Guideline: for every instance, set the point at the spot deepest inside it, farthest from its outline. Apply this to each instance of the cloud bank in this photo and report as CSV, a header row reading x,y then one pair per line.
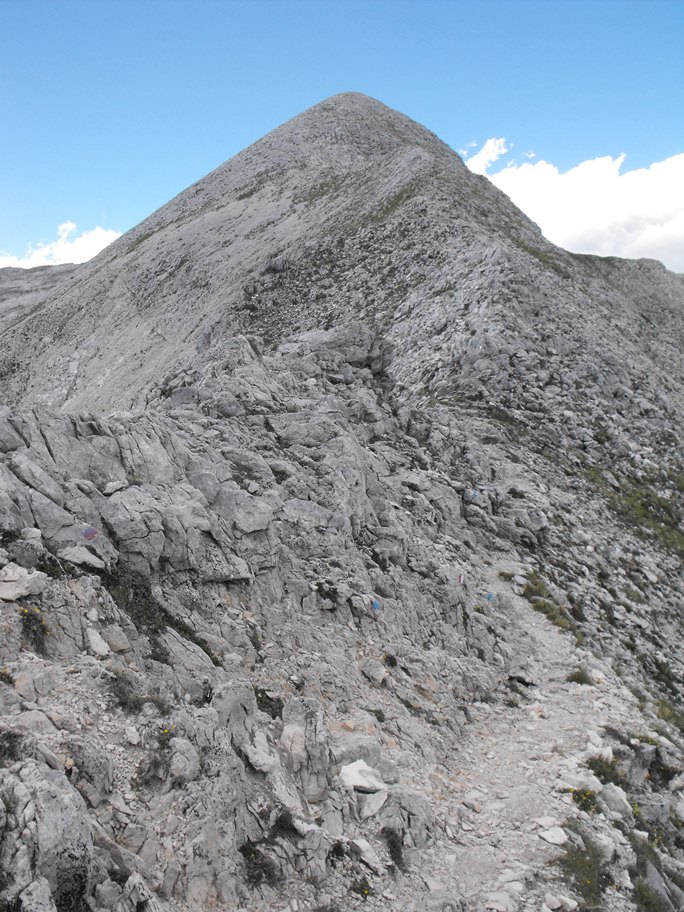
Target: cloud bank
x,y
595,207
69,247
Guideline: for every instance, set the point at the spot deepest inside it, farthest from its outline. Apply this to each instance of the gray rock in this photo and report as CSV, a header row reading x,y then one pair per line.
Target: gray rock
x,y
16,582
281,538
81,556
360,777
46,836
614,798
93,773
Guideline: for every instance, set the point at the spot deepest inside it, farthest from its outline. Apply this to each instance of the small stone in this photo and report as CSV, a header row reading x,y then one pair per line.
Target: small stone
x,y
361,777
17,582
615,799
555,836
570,905
499,902
112,487
367,854
97,645
81,557
546,822
370,804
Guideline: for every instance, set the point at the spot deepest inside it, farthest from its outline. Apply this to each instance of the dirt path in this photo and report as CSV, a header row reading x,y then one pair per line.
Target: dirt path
x,y
514,761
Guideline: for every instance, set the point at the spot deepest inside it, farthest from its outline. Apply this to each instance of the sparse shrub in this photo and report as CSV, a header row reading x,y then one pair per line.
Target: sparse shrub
x,y
11,742
338,852
585,799
6,676
327,590
362,886
125,691
395,846
579,676
538,595
606,771
154,769
259,868
133,595
667,712
647,900
165,734
284,827
535,587
272,706
505,575
583,865
390,660
648,739
554,613
34,629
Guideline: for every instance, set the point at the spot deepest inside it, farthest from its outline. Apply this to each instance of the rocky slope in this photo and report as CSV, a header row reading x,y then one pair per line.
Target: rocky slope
x,y
340,550
21,290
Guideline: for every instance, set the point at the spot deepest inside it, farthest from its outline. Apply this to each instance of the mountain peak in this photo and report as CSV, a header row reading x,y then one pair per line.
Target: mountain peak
x,y
343,130
336,439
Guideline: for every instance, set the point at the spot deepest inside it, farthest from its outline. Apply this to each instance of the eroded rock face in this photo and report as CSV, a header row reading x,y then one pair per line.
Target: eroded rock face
x,y
260,576
46,838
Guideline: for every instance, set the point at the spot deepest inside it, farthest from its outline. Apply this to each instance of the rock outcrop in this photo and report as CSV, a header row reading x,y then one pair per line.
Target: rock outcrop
x,y
324,493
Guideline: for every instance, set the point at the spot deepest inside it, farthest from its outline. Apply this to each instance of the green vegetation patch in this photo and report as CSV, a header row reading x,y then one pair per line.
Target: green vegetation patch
x,y
583,866
585,799
362,887
272,706
258,867
647,900
641,507
133,594
669,713
606,771
539,597
395,202
34,628
321,189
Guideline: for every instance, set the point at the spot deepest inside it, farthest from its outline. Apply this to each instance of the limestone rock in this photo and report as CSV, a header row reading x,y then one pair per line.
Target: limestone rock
x,y
17,582
361,778
371,472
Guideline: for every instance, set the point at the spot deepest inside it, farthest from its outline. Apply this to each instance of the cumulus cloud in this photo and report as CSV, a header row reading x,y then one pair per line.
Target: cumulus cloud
x,y
69,247
491,152
596,207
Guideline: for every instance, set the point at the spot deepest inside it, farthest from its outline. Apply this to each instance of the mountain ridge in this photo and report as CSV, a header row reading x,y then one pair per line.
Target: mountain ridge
x,y
340,551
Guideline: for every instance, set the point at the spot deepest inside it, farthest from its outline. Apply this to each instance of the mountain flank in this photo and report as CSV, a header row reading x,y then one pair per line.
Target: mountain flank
x,y
341,550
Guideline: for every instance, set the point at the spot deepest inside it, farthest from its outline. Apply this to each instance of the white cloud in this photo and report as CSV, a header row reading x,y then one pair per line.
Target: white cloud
x,y
597,208
68,248
492,150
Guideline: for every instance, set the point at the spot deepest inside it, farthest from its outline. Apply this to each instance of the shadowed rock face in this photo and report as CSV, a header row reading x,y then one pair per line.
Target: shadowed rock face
x,y
284,472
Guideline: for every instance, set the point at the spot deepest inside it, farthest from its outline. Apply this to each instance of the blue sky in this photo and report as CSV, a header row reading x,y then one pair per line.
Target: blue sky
x,y
111,107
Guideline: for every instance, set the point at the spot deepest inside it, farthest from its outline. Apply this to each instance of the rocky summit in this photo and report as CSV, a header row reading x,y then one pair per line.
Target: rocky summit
x,y
341,551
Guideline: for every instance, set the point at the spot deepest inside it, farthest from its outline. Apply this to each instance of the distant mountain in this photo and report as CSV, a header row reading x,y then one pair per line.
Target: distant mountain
x,y
341,550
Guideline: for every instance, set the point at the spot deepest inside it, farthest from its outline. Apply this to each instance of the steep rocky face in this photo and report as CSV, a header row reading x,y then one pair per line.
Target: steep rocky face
x,y
337,509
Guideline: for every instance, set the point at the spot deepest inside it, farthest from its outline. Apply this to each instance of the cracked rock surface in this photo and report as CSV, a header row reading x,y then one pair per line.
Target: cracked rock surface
x,y
340,551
